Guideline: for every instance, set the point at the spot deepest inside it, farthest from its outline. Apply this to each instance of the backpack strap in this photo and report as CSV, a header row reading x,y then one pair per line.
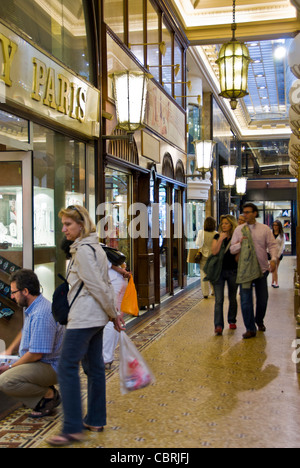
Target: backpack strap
x,y
62,277
94,250
82,283
77,294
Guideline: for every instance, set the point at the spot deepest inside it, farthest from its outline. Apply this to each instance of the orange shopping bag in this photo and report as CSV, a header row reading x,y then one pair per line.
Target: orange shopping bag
x,y
129,303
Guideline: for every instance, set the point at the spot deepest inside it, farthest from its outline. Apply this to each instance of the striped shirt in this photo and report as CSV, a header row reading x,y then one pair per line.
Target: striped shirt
x,y
41,334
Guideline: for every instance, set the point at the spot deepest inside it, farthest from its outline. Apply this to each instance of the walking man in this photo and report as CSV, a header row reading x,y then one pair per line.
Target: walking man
x,y
261,237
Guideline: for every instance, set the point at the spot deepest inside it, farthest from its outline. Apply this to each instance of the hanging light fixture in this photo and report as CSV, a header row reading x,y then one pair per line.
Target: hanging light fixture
x,y
130,93
229,175
204,150
241,185
234,59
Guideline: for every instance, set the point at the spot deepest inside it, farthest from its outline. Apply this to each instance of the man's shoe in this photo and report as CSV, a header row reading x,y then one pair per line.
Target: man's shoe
x,y
261,328
249,334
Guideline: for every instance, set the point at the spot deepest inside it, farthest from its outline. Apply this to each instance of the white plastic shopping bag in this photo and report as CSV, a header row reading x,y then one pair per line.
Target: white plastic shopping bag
x,y
134,372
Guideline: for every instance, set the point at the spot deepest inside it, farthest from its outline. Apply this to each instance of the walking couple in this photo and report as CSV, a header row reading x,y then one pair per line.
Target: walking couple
x,y
244,261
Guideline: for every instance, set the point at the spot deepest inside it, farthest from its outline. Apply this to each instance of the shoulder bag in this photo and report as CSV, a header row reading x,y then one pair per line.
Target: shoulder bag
x,y
214,264
60,304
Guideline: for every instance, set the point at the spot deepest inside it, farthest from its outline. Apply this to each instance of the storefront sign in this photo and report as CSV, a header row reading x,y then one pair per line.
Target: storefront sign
x,y
37,82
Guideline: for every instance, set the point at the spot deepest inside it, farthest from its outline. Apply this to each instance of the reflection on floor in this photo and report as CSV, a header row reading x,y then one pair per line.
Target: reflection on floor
x,y
209,391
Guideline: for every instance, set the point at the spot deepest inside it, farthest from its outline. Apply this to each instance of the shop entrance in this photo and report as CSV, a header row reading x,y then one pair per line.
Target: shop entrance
x,y
15,234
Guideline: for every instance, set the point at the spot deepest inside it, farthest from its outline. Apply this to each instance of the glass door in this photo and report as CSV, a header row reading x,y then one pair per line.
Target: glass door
x,y
15,234
177,238
164,240
15,211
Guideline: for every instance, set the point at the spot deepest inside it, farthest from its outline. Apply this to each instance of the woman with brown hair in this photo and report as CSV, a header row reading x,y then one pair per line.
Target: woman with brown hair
x,y
204,242
227,227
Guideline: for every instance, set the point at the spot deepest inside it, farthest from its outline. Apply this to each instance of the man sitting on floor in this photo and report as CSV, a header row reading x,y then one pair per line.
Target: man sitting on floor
x,y
31,379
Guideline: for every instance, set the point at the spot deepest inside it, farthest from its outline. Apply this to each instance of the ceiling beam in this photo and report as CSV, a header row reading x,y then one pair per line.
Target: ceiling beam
x,y
245,32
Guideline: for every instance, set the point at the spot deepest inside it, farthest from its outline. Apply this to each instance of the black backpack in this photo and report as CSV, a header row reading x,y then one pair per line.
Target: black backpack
x,y
60,305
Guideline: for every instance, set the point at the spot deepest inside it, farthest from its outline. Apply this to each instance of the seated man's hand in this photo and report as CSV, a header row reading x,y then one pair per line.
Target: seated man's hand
x,y
3,368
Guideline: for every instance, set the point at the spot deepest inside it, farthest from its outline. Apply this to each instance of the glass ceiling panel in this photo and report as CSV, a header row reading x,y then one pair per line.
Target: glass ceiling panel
x,y
269,80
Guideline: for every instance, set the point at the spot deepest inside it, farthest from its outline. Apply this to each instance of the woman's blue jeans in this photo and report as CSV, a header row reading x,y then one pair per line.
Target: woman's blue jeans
x,y
85,346
228,276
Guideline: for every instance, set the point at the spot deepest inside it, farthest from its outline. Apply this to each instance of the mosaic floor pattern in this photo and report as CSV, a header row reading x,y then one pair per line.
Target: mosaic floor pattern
x,y
20,431
215,392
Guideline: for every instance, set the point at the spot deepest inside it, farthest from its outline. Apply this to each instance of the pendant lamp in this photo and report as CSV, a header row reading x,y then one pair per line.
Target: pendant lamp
x,y
234,59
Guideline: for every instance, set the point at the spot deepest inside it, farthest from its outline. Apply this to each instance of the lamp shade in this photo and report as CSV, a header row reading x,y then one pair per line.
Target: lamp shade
x,y
233,61
204,153
130,92
229,174
241,185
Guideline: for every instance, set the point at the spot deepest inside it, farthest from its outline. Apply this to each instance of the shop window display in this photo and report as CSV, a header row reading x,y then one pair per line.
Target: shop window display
x,y
11,231
11,210
60,171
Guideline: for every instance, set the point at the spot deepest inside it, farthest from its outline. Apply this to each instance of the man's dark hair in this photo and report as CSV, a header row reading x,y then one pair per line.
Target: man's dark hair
x,y
26,279
253,208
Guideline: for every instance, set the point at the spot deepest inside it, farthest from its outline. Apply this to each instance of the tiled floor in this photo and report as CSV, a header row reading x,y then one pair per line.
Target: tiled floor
x,y
209,391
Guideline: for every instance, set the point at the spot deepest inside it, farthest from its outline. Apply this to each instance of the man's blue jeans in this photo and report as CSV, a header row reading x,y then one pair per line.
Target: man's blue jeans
x,y
85,346
229,277
262,296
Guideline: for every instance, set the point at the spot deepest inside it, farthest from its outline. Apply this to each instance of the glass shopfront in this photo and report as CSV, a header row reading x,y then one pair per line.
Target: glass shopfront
x,y
34,186
285,212
195,222
58,169
164,240
170,238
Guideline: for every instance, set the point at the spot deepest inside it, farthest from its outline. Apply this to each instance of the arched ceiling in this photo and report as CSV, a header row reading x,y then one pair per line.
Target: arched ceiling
x,y
267,27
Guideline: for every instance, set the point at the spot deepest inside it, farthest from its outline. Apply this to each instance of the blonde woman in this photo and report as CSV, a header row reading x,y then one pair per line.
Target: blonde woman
x,y
83,340
227,227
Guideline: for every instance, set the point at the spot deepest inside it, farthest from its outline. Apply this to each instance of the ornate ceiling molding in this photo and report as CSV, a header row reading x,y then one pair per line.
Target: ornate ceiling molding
x,y
208,21
201,13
